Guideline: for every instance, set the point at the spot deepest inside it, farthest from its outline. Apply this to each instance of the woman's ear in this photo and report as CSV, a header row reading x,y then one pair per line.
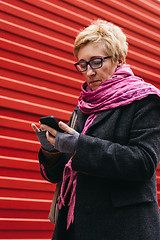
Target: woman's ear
x,y
120,62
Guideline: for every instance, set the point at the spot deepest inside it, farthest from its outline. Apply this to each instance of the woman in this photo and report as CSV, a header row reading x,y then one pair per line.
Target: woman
x,y
108,161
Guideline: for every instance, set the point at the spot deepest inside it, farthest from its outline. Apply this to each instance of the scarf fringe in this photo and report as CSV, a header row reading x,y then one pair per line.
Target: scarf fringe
x,y
72,175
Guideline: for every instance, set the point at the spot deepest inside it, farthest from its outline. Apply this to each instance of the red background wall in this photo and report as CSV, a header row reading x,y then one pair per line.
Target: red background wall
x,y
38,78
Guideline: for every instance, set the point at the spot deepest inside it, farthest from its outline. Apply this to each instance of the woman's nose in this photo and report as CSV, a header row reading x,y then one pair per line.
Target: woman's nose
x,y
90,71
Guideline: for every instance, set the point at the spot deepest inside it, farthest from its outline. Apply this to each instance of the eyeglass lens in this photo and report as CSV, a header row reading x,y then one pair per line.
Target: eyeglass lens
x,y
95,63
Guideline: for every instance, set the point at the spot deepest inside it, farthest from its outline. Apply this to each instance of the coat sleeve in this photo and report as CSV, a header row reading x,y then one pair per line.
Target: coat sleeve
x,y
136,161
51,166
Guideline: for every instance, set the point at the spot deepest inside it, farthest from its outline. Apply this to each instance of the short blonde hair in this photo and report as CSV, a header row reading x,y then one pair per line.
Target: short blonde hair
x,y
110,35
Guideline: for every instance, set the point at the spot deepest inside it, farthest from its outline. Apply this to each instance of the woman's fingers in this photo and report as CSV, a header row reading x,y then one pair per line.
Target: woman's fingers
x,y
35,128
52,131
66,128
50,138
41,126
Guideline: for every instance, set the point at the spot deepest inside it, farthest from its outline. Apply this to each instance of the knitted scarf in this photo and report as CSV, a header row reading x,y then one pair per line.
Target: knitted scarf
x,y
121,89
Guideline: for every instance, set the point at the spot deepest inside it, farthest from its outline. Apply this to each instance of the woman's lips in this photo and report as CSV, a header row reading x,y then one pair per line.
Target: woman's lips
x,y
95,81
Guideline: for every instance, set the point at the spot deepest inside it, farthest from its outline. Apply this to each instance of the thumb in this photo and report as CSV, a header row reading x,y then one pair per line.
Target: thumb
x,y
66,128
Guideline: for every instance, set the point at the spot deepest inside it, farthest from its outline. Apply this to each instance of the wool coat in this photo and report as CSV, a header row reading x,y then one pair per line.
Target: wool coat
x,y
116,161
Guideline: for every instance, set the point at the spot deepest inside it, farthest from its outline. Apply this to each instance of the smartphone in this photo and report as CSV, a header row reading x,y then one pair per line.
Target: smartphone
x,y
52,122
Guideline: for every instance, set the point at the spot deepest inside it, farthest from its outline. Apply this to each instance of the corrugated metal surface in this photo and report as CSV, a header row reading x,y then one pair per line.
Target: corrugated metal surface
x,y
38,78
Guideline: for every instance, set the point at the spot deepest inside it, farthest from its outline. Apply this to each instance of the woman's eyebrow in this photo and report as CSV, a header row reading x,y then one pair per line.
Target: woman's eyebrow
x,y
95,57
90,58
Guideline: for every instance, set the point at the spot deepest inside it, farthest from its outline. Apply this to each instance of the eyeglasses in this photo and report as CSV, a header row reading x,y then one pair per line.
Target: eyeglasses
x,y
94,63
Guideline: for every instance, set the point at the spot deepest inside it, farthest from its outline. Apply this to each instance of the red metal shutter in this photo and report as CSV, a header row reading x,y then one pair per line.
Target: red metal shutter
x,y
38,78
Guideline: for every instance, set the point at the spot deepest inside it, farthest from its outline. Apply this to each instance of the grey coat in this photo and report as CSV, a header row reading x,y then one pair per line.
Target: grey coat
x,y
116,196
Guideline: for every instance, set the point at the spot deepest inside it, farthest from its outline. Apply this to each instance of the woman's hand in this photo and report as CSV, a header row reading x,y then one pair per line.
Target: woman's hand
x,y
41,134
63,142
66,141
51,133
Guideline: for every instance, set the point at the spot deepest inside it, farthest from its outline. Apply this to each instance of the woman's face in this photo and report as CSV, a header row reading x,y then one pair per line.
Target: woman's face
x,y
95,77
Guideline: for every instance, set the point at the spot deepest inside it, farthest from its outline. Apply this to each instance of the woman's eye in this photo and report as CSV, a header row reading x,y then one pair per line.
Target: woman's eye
x,y
96,62
83,65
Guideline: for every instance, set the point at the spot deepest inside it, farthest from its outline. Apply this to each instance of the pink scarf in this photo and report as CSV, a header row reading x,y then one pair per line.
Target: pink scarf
x,y
122,89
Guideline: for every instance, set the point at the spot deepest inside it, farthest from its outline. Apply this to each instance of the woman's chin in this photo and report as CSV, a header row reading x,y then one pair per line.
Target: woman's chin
x,y
94,85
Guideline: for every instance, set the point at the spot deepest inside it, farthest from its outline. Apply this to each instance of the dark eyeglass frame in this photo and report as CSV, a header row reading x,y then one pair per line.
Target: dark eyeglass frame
x,y
88,63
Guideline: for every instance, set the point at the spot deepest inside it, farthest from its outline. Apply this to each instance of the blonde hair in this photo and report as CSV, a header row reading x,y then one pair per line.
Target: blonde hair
x,y
110,35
